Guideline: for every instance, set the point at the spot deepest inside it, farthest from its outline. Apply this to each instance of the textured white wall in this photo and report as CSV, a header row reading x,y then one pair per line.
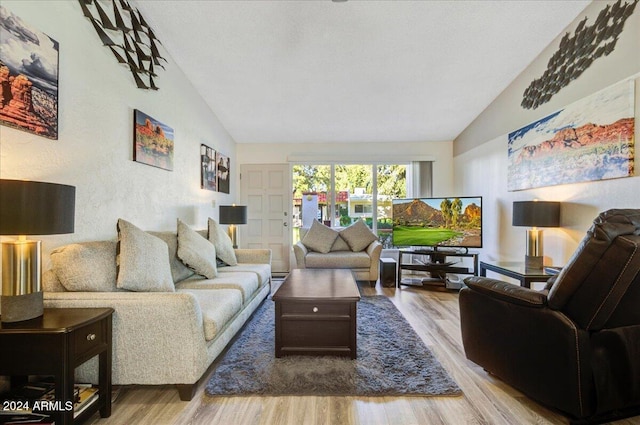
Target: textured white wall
x,y
480,153
97,97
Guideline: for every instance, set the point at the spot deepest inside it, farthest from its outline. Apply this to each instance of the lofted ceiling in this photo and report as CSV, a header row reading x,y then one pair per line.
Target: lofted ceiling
x,y
316,71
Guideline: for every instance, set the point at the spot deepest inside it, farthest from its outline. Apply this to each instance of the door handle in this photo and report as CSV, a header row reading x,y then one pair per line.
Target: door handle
x,y
285,224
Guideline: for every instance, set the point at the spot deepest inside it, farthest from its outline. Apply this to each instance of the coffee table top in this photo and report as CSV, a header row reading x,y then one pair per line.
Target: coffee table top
x,y
315,284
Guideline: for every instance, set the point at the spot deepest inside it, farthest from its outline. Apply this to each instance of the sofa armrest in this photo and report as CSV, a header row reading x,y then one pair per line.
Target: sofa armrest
x,y
253,256
507,292
151,332
300,251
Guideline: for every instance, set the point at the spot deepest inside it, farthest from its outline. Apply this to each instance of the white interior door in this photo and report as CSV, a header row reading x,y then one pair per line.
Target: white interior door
x,y
266,191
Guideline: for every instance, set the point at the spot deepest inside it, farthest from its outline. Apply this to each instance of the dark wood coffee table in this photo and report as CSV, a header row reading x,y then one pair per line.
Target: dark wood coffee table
x,y
316,313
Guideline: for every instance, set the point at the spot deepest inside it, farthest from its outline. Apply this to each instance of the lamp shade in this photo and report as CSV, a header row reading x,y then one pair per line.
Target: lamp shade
x,y
36,208
536,214
233,214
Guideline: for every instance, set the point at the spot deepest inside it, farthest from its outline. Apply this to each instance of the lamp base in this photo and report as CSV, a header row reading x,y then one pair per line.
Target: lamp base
x,y
533,262
16,308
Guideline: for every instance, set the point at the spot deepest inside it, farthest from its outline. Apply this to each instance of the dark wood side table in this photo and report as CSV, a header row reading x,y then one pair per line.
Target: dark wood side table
x,y
515,270
55,344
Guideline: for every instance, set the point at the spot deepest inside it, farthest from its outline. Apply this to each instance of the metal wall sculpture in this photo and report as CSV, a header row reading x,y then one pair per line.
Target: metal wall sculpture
x,y
131,40
578,51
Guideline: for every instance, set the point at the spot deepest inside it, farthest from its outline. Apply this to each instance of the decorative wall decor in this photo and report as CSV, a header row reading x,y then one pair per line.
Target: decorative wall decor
x,y
578,51
591,139
131,40
28,77
224,172
152,142
208,175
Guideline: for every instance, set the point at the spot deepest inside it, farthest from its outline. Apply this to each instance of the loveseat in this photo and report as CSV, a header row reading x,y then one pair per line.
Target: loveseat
x,y
355,247
166,329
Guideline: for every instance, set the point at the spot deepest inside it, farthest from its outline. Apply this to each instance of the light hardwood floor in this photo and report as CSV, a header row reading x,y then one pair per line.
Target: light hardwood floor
x,y
434,315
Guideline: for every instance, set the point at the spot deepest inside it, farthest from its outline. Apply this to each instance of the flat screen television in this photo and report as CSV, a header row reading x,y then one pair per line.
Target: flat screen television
x,y
451,222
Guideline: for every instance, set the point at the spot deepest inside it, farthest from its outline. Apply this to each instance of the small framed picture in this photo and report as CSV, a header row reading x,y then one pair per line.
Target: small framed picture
x,y
152,142
224,172
208,173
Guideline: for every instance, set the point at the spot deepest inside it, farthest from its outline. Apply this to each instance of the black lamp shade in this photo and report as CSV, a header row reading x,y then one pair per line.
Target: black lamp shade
x,y
233,214
536,214
36,208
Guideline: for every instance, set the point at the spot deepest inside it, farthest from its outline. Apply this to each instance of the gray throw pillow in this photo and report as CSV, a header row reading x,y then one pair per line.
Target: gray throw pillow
x,y
358,236
222,242
196,252
86,266
319,238
142,261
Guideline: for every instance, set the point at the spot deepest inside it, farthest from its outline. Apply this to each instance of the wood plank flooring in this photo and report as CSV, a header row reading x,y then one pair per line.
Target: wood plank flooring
x,y
434,315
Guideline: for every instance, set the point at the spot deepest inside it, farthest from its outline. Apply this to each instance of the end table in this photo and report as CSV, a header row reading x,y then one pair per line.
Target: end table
x,y
55,344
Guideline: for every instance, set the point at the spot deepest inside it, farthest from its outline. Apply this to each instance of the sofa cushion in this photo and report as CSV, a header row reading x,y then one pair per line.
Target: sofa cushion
x,y
263,271
338,260
178,270
247,283
218,307
86,266
222,242
319,238
358,236
196,252
142,260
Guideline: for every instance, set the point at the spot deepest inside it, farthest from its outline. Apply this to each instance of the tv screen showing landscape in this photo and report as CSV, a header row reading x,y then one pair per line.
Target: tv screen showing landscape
x,y
438,222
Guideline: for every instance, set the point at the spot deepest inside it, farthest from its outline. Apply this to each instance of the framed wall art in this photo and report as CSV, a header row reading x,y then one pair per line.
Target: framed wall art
x,y
591,139
208,174
152,142
224,172
28,77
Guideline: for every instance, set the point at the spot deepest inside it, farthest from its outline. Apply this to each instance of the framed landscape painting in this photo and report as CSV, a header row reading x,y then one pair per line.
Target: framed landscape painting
x,y
208,173
152,142
28,77
224,172
591,139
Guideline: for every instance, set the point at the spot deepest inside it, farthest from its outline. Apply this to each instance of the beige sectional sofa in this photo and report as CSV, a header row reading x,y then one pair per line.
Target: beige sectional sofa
x,y
160,335
354,247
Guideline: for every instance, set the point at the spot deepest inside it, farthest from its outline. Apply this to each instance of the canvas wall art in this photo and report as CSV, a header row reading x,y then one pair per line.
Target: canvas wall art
x,y
152,142
591,139
28,77
224,172
208,174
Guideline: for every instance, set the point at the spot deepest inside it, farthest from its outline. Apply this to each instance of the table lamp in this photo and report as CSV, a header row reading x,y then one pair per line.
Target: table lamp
x,y
29,208
232,215
535,214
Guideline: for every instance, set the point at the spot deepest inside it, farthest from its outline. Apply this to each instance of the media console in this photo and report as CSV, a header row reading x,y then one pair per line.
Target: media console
x,y
438,263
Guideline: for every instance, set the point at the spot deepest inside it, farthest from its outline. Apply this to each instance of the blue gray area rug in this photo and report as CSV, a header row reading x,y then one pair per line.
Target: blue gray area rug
x,y
392,361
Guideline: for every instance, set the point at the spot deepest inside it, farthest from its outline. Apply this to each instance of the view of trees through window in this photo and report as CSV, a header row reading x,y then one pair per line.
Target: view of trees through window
x,y
362,191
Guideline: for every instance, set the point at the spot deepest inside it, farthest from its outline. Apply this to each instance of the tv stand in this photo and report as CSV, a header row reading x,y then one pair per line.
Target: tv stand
x,y
438,265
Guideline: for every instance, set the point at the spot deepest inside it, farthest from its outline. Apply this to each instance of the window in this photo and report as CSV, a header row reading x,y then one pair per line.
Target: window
x,y
340,194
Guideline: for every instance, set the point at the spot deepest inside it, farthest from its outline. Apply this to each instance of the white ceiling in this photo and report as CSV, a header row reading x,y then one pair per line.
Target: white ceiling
x,y
362,71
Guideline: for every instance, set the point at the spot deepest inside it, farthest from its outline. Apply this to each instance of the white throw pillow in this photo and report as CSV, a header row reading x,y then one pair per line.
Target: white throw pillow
x,y
196,252
319,238
142,261
222,243
358,236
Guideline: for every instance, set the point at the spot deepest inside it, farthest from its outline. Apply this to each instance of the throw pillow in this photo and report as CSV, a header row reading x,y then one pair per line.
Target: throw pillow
x,y
196,252
358,236
222,242
86,266
142,261
319,238
179,271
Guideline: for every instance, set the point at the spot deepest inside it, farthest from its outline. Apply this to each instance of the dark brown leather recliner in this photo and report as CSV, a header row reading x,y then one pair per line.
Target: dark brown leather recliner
x,y
574,346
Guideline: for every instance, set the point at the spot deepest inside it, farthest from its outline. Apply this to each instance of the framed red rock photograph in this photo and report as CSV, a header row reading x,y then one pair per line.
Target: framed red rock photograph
x,y
28,77
152,142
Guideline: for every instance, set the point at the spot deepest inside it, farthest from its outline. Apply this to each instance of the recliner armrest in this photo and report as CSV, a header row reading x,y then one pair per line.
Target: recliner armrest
x,y
507,292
